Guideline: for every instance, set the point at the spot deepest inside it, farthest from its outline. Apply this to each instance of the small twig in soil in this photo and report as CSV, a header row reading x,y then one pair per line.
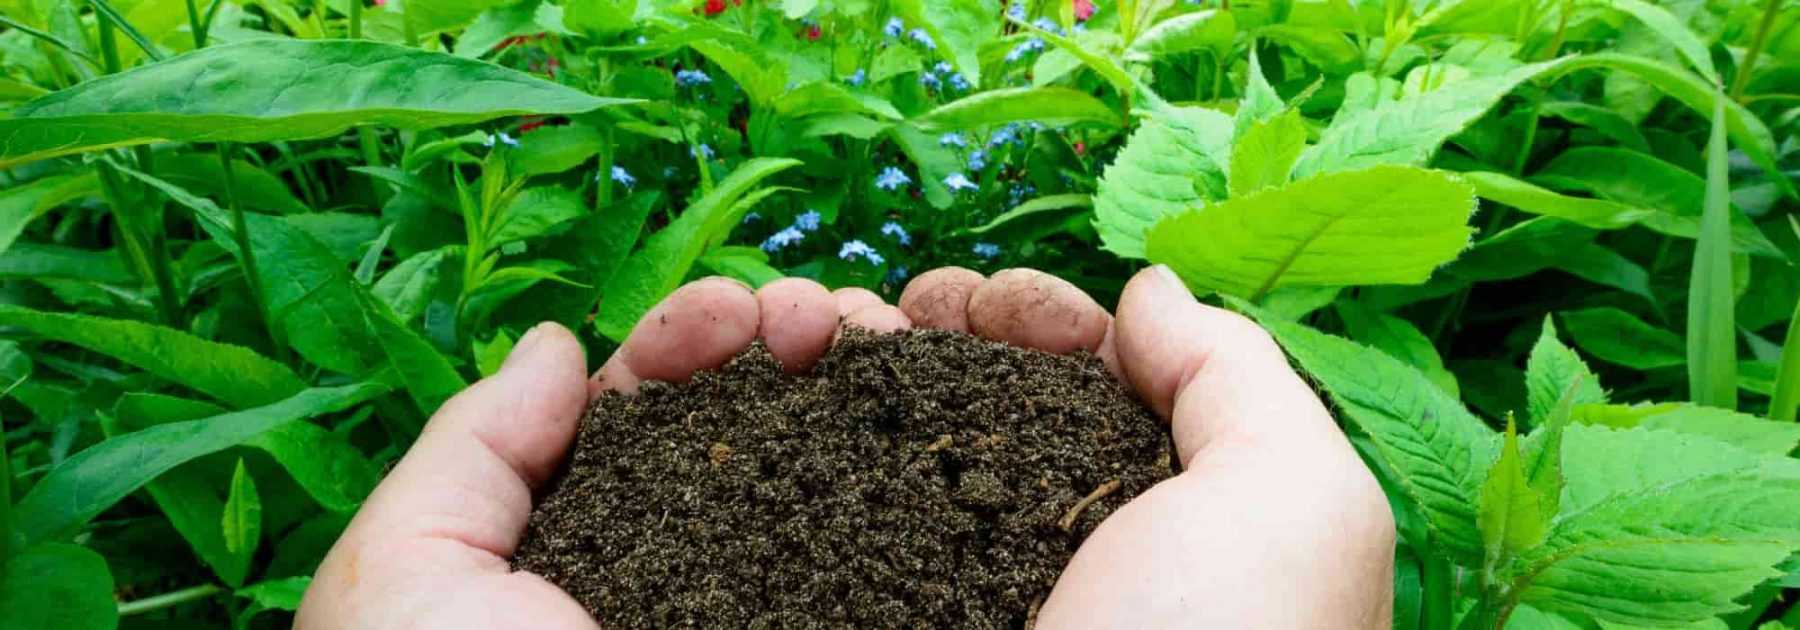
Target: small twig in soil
x,y
1068,520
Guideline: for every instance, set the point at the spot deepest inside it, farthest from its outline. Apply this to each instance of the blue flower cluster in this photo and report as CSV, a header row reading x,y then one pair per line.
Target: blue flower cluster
x,y
1016,10
894,27
923,38
807,222
977,160
953,139
622,177
891,179
958,182
1025,48
691,78
858,77
701,151
856,248
942,72
893,229
988,251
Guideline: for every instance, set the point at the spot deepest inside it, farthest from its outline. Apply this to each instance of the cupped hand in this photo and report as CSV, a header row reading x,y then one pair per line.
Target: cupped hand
x,y
1274,521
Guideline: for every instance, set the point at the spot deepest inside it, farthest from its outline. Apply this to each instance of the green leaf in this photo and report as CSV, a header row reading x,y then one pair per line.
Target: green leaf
x,y
1437,450
1595,213
233,374
1608,122
309,289
551,150
1033,214
1398,338
1711,325
425,372
1671,29
1209,30
508,282
746,264
54,262
282,594
1642,181
92,480
958,27
186,494
821,97
1055,106
667,256
600,19
1512,514
612,233
1615,336
1259,103
1409,130
1173,163
491,354
278,89
1737,429
57,585
535,212
20,204
1660,528
935,161
1264,154
762,77
1786,399
1382,225
256,189
242,520
1549,372
496,24
408,287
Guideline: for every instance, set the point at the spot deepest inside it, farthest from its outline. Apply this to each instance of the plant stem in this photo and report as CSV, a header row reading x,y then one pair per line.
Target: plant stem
x,y
1437,610
240,233
1742,79
194,25
356,11
109,46
1786,402
169,599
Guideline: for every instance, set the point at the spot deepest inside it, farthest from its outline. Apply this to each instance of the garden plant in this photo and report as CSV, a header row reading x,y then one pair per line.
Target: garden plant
x,y
1538,256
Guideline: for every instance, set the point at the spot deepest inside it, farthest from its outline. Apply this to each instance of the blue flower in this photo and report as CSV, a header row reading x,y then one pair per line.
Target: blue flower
x,y
943,67
986,250
958,83
952,139
500,137
808,221
858,77
894,27
1024,48
787,236
893,229
977,160
1047,24
701,151
623,178
892,178
897,274
641,40
1016,10
853,249
1004,135
958,182
929,80
691,78
751,216
924,39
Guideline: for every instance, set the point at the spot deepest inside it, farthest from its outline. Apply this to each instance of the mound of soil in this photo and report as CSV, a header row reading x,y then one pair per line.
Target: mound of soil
x,y
921,479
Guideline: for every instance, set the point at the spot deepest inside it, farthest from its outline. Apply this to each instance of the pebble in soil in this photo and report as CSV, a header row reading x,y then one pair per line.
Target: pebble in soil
x,y
919,479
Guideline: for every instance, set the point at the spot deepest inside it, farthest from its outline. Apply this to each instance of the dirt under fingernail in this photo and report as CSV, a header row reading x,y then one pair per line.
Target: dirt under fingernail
x,y
910,480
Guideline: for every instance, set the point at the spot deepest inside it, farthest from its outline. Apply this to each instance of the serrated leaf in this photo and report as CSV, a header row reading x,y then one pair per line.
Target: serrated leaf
x,y
1210,30
1174,162
1264,153
1047,105
667,256
92,480
1398,338
1549,371
1437,450
57,585
241,522
278,89
1615,336
1382,225
233,374
1512,515
1259,103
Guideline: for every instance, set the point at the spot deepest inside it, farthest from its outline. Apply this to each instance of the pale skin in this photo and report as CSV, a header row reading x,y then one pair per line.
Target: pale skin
x,y
1274,522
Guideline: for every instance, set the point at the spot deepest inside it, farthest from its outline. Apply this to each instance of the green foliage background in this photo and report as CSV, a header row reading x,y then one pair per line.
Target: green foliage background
x,y
1539,254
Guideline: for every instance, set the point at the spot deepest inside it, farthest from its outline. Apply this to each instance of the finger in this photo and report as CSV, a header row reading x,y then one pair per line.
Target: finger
x,y
940,298
1033,309
459,499
798,319
1214,373
880,318
850,299
699,326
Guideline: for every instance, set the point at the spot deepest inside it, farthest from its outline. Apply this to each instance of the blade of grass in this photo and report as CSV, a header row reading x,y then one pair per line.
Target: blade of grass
x,y
1711,326
51,39
112,16
1786,402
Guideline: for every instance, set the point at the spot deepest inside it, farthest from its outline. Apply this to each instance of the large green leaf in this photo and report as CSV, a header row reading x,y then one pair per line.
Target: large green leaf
x,y
667,256
233,374
1550,370
92,480
1382,225
1742,430
1676,196
958,27
58,585
1595,213
1615,336
54,262
1174,162
1397,337
278,89
1437,450
1711,322
186,494
1660,528
1264,153
1669,27
1047,105
426,373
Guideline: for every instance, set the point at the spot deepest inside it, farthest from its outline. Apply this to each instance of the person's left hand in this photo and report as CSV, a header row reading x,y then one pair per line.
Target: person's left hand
x,y
430,547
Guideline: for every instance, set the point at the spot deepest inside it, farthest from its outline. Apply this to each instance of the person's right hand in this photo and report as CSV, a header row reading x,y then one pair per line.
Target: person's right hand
x,y
1274,522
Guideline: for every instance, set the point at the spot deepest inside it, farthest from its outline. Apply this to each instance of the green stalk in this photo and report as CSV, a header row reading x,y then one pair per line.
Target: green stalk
x,y
151,265
1711,325
240,233
1761,39
1786,403
356,11
108,14
6,530
109,46
604,195
1437,610
194,24
168,600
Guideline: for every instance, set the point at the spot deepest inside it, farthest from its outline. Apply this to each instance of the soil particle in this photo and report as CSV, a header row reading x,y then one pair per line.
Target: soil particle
x,y
913,480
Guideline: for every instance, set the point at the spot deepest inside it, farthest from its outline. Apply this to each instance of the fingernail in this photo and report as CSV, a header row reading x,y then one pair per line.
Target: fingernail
x,y
525,346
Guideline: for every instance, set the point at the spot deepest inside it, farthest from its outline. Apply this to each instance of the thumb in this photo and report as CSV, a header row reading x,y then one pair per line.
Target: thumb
x,y
1214,374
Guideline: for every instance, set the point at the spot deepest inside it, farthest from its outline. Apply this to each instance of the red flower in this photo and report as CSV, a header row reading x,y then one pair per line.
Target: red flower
x,y
531,125
812,34
1080,148
1084,9
714,7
